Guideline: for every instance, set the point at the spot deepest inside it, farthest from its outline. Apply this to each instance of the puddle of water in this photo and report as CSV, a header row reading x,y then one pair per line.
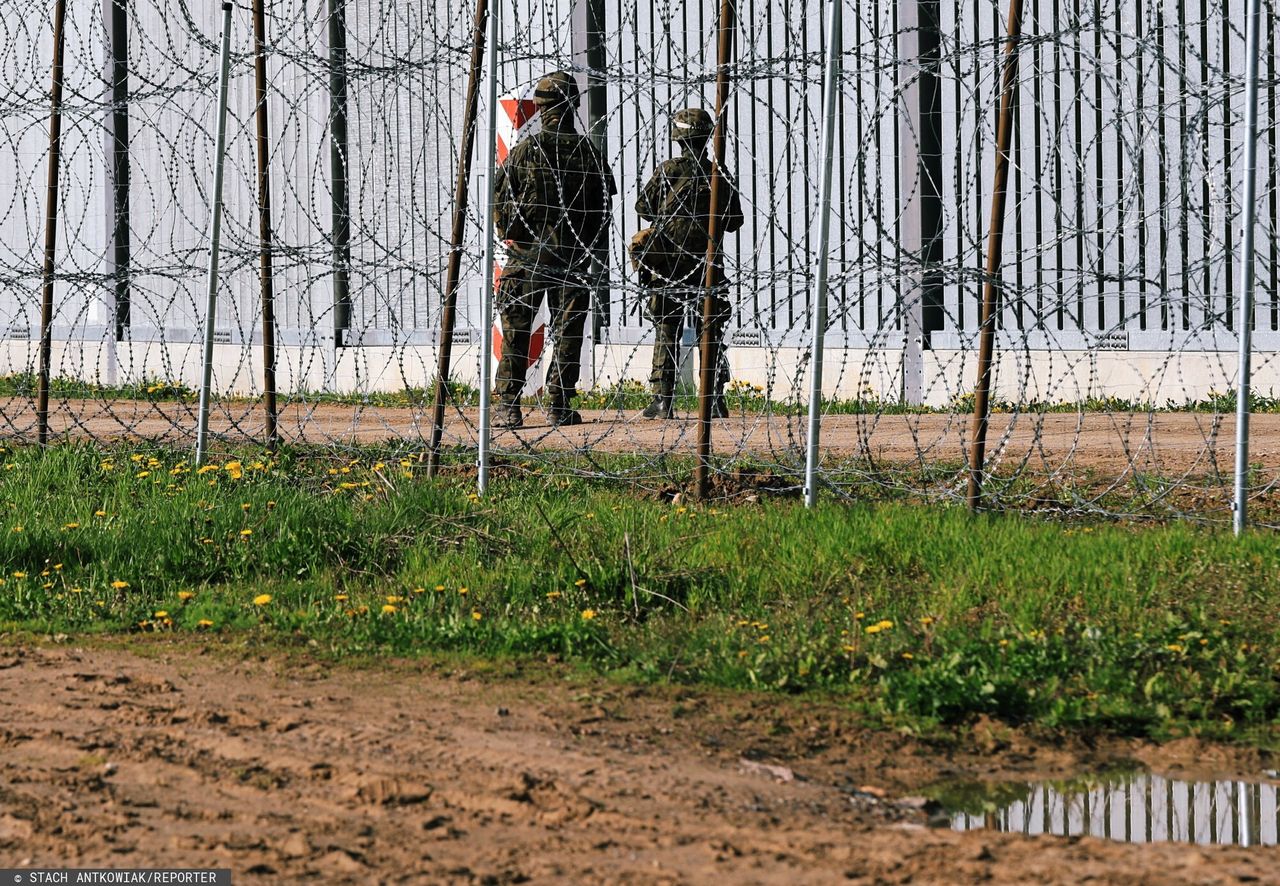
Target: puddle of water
x,y
1129,807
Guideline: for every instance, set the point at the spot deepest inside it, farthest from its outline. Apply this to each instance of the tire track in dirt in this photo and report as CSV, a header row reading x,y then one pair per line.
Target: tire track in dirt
x,y
289,770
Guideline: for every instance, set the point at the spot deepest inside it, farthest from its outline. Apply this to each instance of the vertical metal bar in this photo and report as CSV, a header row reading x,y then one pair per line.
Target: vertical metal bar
x,y
116,15
709,364
215,234
51,224
830,106
448,311
266,277
339,164
1247,261
597,123
986,337
486,312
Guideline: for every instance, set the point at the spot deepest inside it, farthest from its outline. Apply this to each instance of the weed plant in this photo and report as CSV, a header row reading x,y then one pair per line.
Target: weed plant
x,y
922,616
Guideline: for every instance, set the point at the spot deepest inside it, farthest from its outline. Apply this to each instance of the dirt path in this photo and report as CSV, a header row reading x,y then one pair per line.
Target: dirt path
x,y
294,771
1197,443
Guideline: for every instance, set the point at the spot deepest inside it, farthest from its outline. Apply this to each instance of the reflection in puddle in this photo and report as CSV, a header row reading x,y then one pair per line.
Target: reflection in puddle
x,y
1138,808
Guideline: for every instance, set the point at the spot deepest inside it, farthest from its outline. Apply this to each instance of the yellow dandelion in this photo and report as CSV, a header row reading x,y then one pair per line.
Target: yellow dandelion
x,y
341,598
553,595
439,587
17,529
19,575
462,591
388,609
580,583
475,615
245,533
204,623
394,599
70,525
588,614
185,595
262,600
927,620
99,513
57,566
1174,647
142,475
246,506
908,656
119,585
160,613
419,590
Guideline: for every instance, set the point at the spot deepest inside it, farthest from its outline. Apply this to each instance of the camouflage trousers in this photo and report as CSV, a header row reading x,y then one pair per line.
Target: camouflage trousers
x,y
520,293
667,310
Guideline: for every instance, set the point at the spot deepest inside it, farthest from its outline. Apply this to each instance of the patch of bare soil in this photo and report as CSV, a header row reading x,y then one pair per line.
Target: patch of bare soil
x,y
1197,444
299,771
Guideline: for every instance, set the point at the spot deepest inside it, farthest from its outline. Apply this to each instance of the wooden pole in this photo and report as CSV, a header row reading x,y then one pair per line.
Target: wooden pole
x,y
51,225
709,365
448,311
266,277
987,332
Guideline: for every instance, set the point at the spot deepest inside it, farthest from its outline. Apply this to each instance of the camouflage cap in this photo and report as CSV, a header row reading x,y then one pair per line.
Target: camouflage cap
x,y
691,124
556,88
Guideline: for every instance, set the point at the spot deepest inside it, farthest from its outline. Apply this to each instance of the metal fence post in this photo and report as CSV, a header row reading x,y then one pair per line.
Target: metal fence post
x,y
116,15
1247,250
215,234
266,278
339,164
830,110
51,224
920,175
486,311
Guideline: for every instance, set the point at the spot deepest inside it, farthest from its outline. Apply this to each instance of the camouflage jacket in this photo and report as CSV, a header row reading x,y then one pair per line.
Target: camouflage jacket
x,y
553,198
677,200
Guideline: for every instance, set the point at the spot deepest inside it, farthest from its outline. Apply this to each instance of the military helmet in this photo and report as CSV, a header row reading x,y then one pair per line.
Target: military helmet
x,y
691,124
556,88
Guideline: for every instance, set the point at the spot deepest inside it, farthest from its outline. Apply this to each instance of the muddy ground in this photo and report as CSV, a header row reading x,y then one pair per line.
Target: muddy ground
x,y
294,770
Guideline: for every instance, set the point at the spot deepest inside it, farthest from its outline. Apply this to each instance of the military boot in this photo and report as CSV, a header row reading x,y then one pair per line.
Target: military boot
x,y
563,415
719,407
508,415
661,407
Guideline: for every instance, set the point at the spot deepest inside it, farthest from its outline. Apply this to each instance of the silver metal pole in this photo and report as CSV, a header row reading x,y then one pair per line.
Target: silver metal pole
x,y
1245,321
830,105
215,235
486,310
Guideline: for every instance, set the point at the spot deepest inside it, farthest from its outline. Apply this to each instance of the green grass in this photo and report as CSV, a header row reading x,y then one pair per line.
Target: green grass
x,y
633,395
919,616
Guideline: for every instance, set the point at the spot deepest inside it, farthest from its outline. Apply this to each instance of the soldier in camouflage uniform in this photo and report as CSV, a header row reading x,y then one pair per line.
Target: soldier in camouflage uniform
x,y
552,204
671,255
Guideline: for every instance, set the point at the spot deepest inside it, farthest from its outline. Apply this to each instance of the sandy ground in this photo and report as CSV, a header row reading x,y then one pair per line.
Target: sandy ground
x,y
1195,443
290,770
